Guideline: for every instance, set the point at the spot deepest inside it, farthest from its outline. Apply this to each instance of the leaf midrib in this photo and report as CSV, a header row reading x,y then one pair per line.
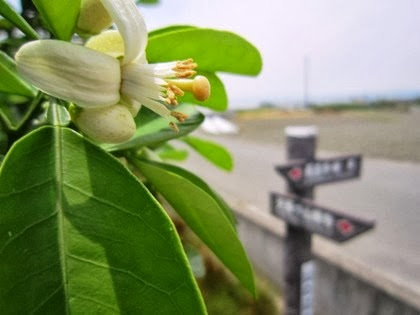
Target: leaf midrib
x,y
58,154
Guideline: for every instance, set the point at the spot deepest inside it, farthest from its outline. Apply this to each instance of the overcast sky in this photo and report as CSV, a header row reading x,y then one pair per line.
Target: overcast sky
x,y
355,48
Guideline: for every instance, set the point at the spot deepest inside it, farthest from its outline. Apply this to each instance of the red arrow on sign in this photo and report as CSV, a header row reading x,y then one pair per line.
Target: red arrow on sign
x,y
344,226
295,174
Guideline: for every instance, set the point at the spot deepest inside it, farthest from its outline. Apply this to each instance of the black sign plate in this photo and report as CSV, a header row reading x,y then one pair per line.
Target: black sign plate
x,y
316,219
305,174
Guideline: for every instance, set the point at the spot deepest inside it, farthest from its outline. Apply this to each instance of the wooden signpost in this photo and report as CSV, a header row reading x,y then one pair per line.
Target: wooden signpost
x,y
313,218
305,174
303,217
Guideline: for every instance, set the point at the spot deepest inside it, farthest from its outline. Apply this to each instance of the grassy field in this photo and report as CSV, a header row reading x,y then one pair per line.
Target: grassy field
x,y
389,134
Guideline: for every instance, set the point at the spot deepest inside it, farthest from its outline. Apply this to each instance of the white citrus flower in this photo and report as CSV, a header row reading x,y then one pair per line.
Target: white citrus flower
x,y
110,70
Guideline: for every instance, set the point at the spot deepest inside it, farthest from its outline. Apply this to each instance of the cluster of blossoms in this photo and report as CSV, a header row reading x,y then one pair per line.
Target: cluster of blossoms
x,y
108,79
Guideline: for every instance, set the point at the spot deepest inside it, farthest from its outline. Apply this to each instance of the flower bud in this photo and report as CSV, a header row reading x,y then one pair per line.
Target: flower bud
x,y
93,18
112,124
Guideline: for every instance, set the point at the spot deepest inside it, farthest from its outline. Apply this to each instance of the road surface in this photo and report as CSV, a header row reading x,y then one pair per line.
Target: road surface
x,y
388,192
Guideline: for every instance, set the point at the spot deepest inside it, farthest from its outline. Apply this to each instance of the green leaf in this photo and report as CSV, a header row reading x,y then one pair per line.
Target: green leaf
x,y
218,99
14,118
168,29
168,152
153,129
203,214
10,80
57,114
4,142
80,235
212,50
213,152
60,16
17,20
197,181
148,1
6,25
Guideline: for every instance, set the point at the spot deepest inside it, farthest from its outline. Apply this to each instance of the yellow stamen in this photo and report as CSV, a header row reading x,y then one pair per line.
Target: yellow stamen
x,y
176,90
185,65
185,74
181,117
171,101
185,68
173,126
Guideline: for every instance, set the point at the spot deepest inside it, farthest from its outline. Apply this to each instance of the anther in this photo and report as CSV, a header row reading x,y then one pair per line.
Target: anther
x,y
181,117
185,74
173,126
175,89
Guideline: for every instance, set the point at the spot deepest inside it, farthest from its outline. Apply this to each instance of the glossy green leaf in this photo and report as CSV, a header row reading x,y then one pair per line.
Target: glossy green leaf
x,y
57,114
153,129
213,152
80,235
17,20
10,80
15,115
4,142
218,99
60,16
212,50
168,152
197,181
148,1
6,25
203,214
168,29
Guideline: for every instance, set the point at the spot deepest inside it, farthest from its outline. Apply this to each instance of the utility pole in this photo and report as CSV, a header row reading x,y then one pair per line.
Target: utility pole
x,y
305,81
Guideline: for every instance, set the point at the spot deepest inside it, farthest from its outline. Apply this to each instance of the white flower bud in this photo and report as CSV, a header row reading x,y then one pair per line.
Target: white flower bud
x,y
113,124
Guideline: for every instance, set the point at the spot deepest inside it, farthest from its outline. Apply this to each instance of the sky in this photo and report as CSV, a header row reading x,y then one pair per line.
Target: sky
x,y
354,49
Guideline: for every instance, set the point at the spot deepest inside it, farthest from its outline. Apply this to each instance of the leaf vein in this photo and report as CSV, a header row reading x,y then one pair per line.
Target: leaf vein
x,y
119,270
24,230
23,280
25,189
113,205
58,150
108,306
49,297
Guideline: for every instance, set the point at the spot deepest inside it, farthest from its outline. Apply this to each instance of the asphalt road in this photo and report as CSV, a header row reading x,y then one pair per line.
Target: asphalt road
x,y
387,191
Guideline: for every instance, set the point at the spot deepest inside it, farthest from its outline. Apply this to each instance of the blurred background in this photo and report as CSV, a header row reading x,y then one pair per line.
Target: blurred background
x,y
352,69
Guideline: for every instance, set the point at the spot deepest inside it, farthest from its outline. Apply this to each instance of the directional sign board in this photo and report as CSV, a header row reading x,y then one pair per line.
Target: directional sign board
x,y
316,219
304,174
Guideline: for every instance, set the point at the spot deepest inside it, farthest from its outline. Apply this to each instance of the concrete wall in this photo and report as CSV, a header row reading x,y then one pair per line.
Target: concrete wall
x,y
342,286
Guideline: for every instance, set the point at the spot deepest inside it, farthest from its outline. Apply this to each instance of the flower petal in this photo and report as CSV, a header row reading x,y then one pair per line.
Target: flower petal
x,y
130,24
109,42
71,72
